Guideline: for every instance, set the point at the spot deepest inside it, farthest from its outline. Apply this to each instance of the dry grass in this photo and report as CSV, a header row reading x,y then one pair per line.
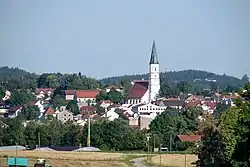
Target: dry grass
x,y
69,159
174,160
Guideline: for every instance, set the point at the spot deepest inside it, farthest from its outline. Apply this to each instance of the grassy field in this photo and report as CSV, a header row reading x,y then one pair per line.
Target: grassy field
x,y
174,160
70,159
100,159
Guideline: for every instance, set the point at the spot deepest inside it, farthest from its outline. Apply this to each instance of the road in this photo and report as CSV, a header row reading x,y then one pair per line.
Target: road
x,y
138,162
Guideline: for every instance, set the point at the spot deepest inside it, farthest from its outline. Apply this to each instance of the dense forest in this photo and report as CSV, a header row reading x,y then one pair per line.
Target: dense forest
x,y
197,78
15,78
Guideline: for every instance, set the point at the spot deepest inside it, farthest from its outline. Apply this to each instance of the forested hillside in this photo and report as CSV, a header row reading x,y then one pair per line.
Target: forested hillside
x,y
197,78
16,78
13,78
7,73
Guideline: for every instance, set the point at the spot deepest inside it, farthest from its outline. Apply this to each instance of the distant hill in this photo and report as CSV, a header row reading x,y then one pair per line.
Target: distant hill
x,y
197,78
15,78
7,73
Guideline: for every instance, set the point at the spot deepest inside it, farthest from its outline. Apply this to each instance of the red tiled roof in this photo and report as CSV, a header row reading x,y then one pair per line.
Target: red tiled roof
x,y
49,111
193,103
139,89
87,93
211,105
194,98
189,138
87,108
45,90
69,92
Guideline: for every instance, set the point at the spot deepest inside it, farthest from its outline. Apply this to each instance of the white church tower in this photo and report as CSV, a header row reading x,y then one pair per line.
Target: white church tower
x,y
154,74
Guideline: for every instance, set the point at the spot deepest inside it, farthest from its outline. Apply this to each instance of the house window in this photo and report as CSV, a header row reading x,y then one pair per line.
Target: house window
x,y
155,68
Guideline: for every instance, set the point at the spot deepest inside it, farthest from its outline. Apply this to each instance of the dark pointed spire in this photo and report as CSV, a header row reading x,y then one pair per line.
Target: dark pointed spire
x,y
153,58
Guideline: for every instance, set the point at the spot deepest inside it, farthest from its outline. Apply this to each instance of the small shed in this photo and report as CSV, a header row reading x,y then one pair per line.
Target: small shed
x,y
189,138
183,142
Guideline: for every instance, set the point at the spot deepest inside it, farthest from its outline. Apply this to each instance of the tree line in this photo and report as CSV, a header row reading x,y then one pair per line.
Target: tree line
x,y
194,80
226,138
115,135
108,135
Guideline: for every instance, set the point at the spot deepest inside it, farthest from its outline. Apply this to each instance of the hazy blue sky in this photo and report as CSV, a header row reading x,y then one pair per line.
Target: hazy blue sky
x,y
114,37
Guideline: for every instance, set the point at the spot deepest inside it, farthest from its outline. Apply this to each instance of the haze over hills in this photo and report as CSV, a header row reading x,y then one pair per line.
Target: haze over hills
x,y
197,78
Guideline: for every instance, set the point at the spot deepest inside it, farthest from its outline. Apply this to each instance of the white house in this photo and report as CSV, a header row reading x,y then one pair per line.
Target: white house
x,y
7,95
43,92
105,103
87,96
148,109
69,95
118,89
65,116
111,114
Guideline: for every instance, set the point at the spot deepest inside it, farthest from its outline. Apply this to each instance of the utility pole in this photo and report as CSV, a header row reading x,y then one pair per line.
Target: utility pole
x,y
160,154
185,159
148,149
170,142
154,143
88,140
39,142
16,155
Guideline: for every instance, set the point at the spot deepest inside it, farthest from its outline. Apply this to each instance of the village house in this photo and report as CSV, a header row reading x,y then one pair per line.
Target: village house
x,y
49,112
87,110
44,93
188,138
176,104
111,115
194,98
148,109
7,95
105,103
88,96
183,140
13,112
229,99
65,116
209,106
113,87
81,104
69,95
4,106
